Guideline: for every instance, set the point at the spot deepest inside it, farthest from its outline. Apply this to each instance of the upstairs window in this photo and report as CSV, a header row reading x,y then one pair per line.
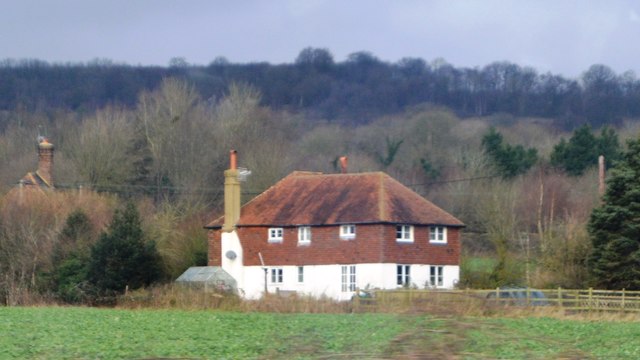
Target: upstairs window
x,y
347,232
438,234
275,234
304,235
404,233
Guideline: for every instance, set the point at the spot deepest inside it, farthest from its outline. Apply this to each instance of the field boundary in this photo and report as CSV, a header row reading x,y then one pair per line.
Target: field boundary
x,y
578,300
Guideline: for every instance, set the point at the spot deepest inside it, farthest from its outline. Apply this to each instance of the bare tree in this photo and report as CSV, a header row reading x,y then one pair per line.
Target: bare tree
x,y
100,148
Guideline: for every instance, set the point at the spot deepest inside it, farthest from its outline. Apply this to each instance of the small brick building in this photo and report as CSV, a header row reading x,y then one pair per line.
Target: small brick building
x,y
326,234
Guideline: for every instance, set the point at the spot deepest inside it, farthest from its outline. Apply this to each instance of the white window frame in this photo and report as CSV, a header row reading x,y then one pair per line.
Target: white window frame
x,y
436,276
438,234
276,275
404,233
348,278
304,235
403,275
300,274
275,234
347,231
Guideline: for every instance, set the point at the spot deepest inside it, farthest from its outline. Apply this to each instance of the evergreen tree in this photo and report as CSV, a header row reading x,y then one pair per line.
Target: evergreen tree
x,y
122,257
614,227
582,150
609,145
71,258
509,160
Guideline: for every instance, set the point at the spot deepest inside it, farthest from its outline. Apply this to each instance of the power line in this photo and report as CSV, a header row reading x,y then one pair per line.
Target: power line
x,y
132,189
455,180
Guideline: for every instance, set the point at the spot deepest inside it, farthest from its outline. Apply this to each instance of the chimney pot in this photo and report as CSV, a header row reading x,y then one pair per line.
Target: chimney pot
x,y
343,164
233,160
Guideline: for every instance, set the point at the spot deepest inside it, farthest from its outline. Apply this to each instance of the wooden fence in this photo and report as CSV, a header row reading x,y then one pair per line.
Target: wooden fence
x,y
567,299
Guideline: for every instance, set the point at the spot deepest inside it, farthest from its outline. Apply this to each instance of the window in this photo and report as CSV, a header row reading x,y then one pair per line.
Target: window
x,y
404,275
435,276
304,234
438,234
404,233
275,234
348,278
300,274
276,275
347,232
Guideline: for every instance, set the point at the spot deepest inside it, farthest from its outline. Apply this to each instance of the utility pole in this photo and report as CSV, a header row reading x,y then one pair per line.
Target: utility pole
x,y
601,174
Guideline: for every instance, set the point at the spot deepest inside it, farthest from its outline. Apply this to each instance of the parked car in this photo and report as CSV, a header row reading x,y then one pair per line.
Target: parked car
x,y
518,296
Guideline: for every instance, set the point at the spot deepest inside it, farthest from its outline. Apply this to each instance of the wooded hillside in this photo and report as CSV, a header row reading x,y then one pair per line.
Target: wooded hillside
x,y
488,145
355,91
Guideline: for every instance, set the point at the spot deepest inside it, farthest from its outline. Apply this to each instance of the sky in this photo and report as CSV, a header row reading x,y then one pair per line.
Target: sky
x,y
559,36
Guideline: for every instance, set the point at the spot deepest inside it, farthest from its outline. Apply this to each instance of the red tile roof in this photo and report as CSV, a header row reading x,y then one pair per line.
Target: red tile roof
x,y
307,198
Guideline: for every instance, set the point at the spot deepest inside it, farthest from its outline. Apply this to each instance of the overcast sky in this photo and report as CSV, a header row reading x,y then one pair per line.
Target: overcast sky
x,y
564,37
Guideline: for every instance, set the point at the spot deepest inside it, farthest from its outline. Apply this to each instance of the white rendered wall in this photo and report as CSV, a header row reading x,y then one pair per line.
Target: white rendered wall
x,y
231,242
321,280
326,280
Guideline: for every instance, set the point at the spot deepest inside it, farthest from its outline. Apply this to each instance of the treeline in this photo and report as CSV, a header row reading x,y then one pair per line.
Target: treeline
x,y
354,91
524,189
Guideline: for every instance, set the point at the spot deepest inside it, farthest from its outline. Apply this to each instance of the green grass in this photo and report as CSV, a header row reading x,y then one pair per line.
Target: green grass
x,y
480,264
71,333
89,333
547,338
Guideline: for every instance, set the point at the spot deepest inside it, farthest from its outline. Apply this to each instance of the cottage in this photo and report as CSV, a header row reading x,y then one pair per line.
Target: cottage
x,y
328,234
35,184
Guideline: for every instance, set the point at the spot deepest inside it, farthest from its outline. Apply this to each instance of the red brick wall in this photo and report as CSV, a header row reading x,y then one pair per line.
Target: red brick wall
x,y
373,244
215,247
421,251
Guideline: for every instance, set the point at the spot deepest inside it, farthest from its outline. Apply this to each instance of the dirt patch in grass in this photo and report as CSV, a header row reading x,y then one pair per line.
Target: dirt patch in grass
x,y
441,338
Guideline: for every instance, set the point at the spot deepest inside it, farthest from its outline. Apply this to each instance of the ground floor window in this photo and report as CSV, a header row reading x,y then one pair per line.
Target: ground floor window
x,y
300,274
403,275
276,275
348,278
435,276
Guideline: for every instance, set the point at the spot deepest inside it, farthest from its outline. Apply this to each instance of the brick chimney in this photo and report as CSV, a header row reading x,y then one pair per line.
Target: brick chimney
x,y
231,194
45,161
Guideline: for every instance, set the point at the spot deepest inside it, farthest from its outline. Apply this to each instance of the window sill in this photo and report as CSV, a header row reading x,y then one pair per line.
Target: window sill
x,y
274,241
304,243
438,242
401,241
347,237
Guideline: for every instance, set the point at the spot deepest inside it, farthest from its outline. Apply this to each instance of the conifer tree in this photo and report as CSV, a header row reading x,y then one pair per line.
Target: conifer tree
x,y
582,150
122,257
614,227
509,160
71,258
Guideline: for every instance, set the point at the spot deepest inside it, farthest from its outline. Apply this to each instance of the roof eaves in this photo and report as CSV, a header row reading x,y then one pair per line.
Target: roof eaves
x,y
373,222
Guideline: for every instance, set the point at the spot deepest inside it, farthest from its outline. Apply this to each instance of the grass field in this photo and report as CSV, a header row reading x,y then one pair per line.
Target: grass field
x,y
89,333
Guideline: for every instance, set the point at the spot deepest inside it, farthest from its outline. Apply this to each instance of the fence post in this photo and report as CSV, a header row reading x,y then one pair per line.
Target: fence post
x,y
590,298
622,299
528,292
356,300
559,299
